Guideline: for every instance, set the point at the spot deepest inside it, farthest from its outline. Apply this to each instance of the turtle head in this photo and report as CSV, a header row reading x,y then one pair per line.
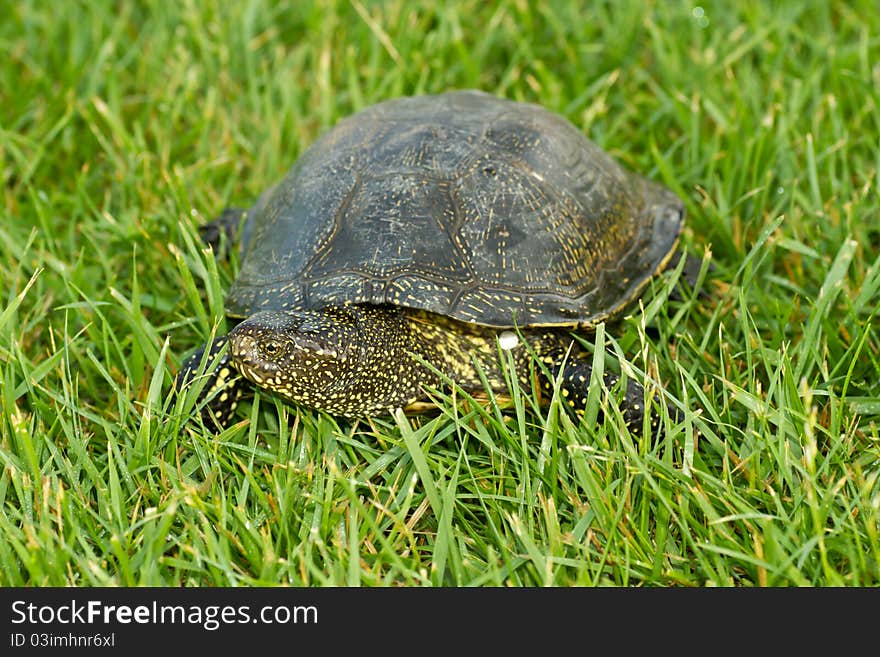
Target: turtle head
x,y
298,354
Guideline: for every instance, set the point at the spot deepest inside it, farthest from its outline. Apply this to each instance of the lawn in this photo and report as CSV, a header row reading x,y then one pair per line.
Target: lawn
x,y
126,125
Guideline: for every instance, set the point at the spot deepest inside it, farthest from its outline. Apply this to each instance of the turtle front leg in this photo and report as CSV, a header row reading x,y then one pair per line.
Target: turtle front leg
x,y
221,233
576,372
224,387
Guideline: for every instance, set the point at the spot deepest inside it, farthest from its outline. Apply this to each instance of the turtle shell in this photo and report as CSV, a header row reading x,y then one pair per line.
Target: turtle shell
x,y
464,204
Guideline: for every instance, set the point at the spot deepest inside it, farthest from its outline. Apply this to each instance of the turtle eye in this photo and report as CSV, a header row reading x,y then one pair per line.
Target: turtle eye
x,y
272,348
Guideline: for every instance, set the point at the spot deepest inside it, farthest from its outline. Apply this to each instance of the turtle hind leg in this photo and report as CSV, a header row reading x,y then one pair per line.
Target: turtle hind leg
x,y
575,376
223,386
221,233
690,274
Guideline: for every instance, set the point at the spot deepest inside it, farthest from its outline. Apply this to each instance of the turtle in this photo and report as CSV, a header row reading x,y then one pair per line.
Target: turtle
x,y
435,238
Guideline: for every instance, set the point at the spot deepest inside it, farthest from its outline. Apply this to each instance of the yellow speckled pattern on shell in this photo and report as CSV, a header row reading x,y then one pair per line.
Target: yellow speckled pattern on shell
x,y
462,204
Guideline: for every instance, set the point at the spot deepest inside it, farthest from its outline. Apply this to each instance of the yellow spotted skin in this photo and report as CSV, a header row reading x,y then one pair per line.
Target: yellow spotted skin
x,y
222,390
357,361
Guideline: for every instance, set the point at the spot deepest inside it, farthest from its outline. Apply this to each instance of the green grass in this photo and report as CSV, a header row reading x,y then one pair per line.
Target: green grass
x,y
123,126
